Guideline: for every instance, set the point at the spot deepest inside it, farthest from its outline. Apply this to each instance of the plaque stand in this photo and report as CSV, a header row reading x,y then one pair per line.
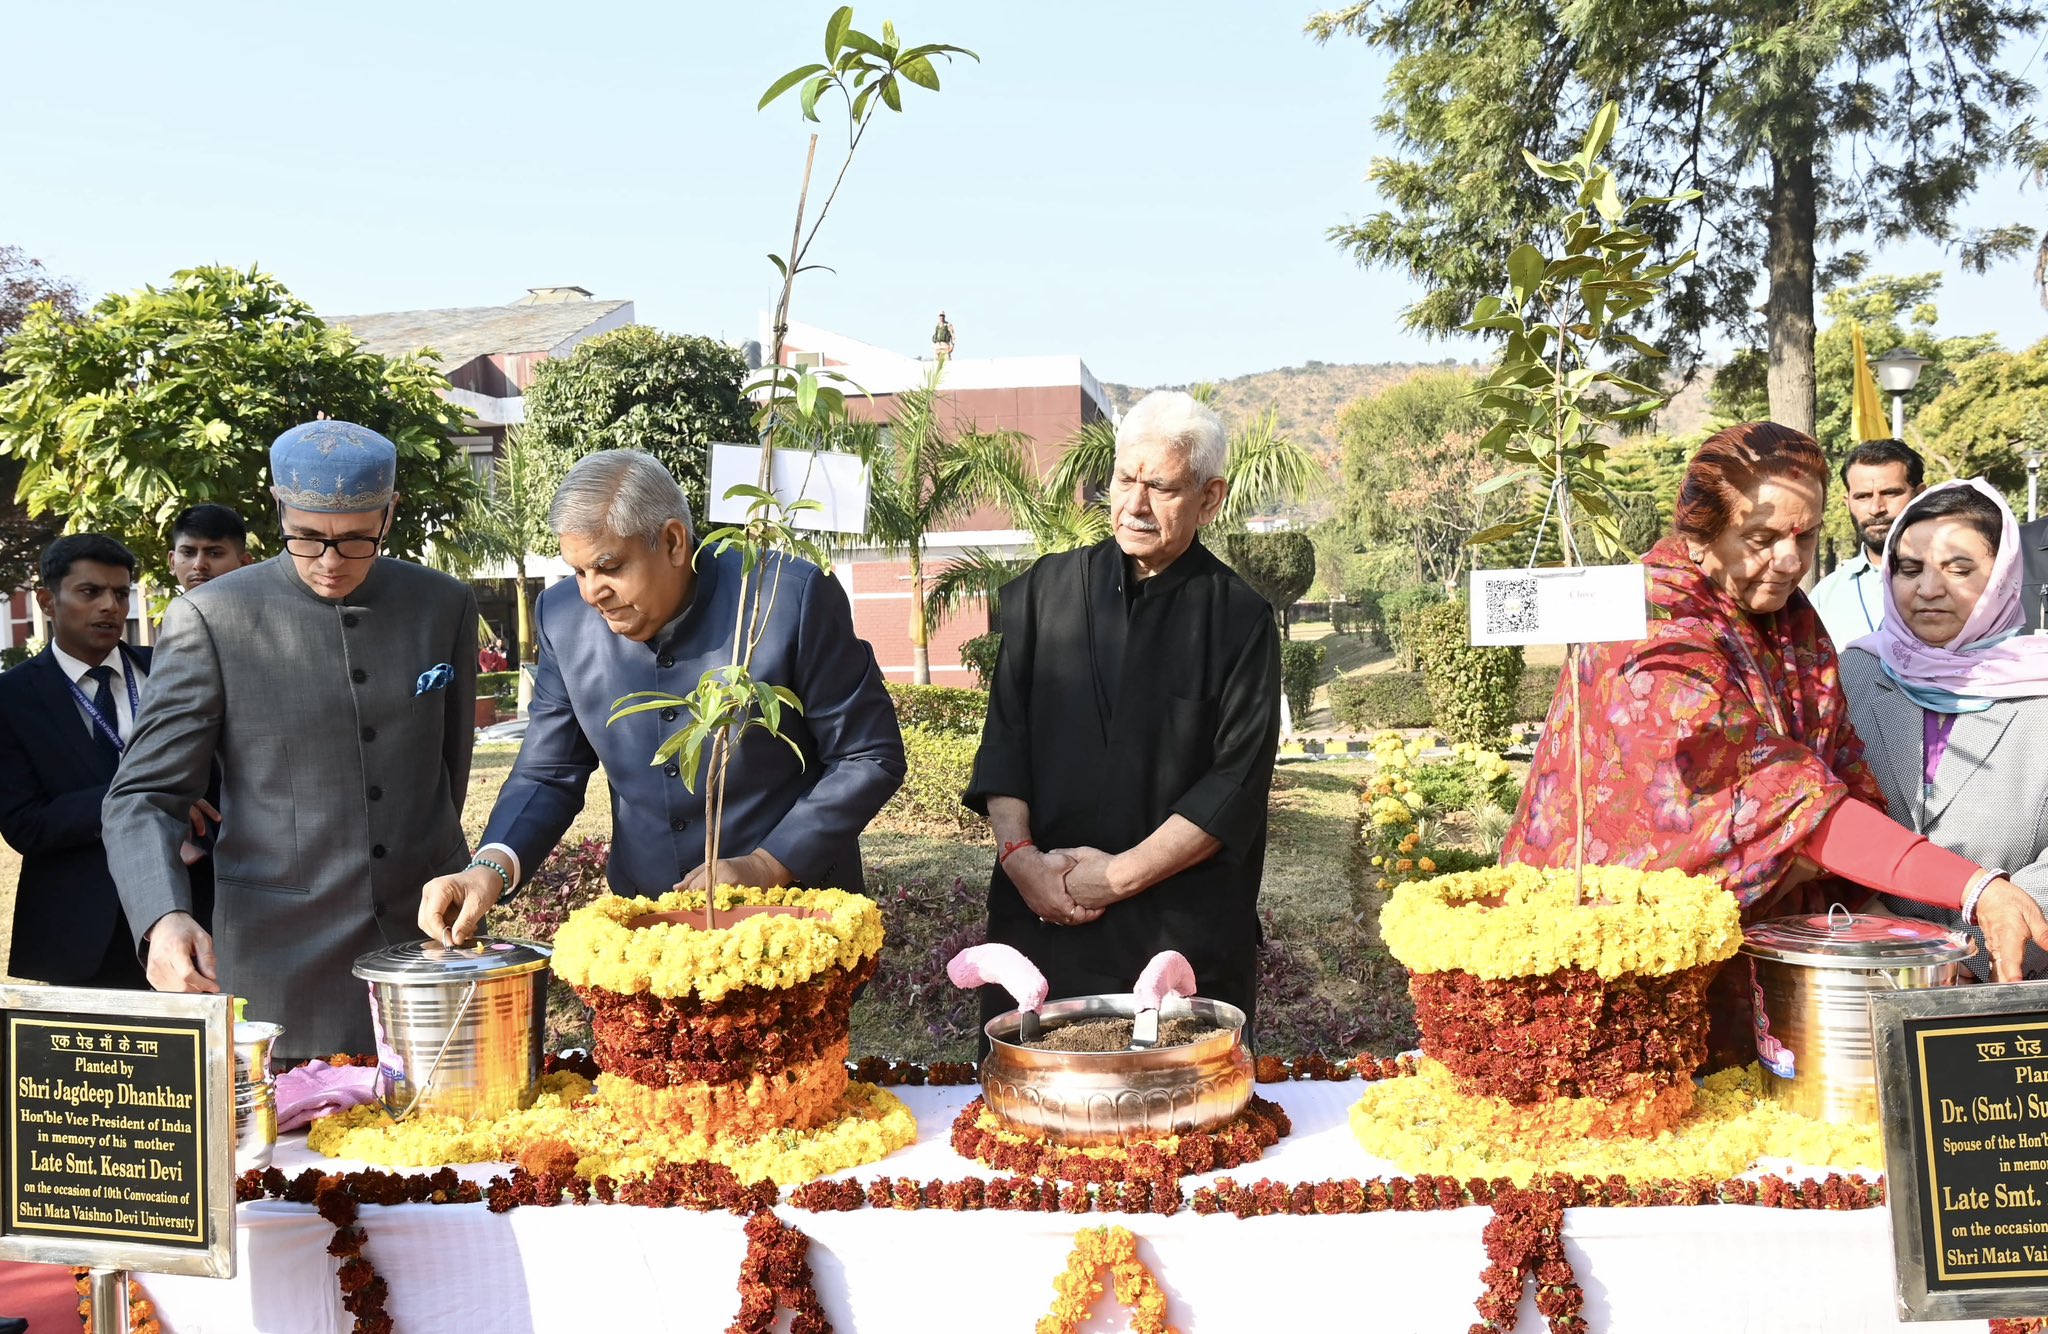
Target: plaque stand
x,y
109,1301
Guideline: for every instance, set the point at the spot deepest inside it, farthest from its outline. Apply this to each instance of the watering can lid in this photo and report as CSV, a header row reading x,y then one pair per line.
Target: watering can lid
x,y
1839,938
429,962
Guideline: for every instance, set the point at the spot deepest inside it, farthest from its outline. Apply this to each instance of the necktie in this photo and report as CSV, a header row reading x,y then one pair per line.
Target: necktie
x,y
103,700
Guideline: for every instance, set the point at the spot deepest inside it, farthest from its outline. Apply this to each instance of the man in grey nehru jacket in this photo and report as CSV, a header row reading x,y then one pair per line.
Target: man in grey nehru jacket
x,y
335,687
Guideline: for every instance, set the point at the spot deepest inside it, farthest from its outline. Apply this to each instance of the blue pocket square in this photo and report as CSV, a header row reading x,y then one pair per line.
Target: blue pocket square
x,y
435,677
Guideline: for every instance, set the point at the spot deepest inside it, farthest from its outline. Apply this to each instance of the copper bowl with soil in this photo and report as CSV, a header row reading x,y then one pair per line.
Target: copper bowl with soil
x,y
1116,1097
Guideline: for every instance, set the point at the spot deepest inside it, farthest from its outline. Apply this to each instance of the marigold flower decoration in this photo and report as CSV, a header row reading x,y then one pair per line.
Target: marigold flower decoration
x,y
1079,1284
597,948
1518,921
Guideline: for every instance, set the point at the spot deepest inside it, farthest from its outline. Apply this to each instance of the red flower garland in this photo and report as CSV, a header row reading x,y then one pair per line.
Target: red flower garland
x,y
1525,1240
1238,1141
777,1274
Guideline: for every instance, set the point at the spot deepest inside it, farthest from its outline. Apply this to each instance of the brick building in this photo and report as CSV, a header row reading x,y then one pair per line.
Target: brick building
x,y
1045,399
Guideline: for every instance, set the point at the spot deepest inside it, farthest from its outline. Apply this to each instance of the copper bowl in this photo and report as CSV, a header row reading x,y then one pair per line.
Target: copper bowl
x,y
1115,1097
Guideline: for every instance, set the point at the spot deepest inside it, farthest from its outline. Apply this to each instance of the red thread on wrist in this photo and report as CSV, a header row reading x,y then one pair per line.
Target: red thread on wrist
x,y
1009,848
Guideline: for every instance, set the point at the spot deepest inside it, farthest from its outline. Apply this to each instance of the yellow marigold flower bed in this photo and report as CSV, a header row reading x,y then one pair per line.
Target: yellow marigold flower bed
x,y
871,1124
1425,1124
596,948
1517,921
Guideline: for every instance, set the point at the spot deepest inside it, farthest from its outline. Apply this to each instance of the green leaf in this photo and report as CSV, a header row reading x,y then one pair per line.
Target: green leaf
x,y
785,83
780,267
835,30
867,45
1499,531
892,95
920,72
1505,479
1525,270
1552,170
806,394
1602,132
1608,201
810,96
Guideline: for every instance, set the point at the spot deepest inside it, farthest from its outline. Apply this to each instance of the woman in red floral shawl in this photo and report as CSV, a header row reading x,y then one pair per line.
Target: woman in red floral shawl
x,y
1720,744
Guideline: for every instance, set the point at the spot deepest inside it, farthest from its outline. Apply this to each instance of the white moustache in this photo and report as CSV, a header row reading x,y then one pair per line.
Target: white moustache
x,y
1141,525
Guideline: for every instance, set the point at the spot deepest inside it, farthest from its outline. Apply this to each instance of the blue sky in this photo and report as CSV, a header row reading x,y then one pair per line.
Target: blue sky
x,y
1143,183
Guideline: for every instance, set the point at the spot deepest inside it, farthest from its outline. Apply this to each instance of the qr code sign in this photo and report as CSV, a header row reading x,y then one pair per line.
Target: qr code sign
x,y
1511,607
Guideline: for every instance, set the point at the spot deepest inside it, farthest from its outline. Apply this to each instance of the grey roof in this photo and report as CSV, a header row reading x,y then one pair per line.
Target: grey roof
x,y
462,334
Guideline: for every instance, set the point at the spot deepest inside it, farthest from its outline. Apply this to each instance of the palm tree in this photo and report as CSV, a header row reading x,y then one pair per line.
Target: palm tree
x,y
925,478
1056,521
507,521
1265,466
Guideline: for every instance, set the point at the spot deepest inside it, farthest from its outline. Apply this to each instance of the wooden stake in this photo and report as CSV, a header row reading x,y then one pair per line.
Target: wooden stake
x,y
1571,664
796,234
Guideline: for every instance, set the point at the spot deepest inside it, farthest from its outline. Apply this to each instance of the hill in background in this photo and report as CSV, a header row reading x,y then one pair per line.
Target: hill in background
x,y
1310,398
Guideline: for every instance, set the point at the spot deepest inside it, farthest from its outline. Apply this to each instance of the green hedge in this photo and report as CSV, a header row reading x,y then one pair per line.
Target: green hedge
x,y
1539,687
954,710
937,768
1299,666
978,655
1368,702
1471,690
1398,611
505,685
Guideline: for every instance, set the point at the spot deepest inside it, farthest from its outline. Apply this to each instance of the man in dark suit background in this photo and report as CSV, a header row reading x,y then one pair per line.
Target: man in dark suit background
x,y
66,715
2034,554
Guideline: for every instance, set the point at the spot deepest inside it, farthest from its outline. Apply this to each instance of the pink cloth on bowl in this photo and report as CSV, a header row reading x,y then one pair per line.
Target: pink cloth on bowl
x,y
316,1089
1169,974
1002,965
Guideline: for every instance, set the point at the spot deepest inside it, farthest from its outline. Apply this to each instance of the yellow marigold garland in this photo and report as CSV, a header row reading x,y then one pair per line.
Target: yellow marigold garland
x,y
1425,1124
595,947
1518,921
1079,1284
871,1124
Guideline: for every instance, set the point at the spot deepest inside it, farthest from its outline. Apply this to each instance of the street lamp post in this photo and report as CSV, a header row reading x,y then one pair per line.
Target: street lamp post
x,y
1897,372
2033,484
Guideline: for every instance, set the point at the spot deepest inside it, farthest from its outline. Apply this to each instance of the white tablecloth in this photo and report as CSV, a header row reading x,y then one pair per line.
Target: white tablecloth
x,y
461,1268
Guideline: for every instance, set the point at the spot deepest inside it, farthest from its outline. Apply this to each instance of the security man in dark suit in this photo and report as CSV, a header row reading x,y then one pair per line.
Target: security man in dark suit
x,y
66,716
2034,570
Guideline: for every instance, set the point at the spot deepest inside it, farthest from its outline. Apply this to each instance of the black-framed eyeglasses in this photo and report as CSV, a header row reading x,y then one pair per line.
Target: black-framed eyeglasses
x,y
348,548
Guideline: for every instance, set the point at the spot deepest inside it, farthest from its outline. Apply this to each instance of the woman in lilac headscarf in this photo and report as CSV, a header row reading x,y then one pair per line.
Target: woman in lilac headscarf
x,y
1950,695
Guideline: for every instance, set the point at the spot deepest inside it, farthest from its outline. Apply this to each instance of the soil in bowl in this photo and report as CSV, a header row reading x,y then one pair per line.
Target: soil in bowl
x,y
1115,1034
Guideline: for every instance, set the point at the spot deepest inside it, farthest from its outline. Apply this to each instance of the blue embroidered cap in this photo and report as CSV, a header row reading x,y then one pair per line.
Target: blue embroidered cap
x,y
333,467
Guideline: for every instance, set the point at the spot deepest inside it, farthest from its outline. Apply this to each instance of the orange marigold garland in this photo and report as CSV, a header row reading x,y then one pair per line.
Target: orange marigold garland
x,y
1079,1284
142,1318
984,1137
776,1274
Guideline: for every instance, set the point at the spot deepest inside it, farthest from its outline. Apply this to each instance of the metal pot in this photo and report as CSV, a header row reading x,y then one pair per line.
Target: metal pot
x,y
255,1095
1113,1097
459,1030
1810,980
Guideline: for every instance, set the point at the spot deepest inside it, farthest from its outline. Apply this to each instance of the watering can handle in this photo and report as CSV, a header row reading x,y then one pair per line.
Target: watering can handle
x,y
427,1084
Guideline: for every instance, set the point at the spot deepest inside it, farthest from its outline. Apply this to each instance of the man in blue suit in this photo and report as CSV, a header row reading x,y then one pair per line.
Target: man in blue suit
x,y
66,716
641,615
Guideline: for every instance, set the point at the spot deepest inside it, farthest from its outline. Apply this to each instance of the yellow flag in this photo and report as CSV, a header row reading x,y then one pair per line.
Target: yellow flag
x,y
1866,414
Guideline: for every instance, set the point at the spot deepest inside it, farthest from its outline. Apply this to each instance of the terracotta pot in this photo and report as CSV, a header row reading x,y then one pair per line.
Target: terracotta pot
x,y
486,710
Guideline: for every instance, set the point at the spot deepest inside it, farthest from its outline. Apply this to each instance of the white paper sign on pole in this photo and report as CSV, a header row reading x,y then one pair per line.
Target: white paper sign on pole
x,y
1587,604
838,482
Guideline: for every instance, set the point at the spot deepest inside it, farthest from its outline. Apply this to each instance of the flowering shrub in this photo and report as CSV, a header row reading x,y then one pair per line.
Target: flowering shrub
x,y
1405,803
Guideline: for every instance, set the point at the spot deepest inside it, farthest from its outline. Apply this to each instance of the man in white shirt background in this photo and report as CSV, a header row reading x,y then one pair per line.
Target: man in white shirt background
x,y
66,715
1878,478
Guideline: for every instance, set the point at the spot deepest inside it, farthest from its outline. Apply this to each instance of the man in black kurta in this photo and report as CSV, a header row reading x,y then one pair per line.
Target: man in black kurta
x,y
1128,751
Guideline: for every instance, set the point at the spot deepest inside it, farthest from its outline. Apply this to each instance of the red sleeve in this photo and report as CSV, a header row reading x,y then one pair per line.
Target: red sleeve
x,y
1858,842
